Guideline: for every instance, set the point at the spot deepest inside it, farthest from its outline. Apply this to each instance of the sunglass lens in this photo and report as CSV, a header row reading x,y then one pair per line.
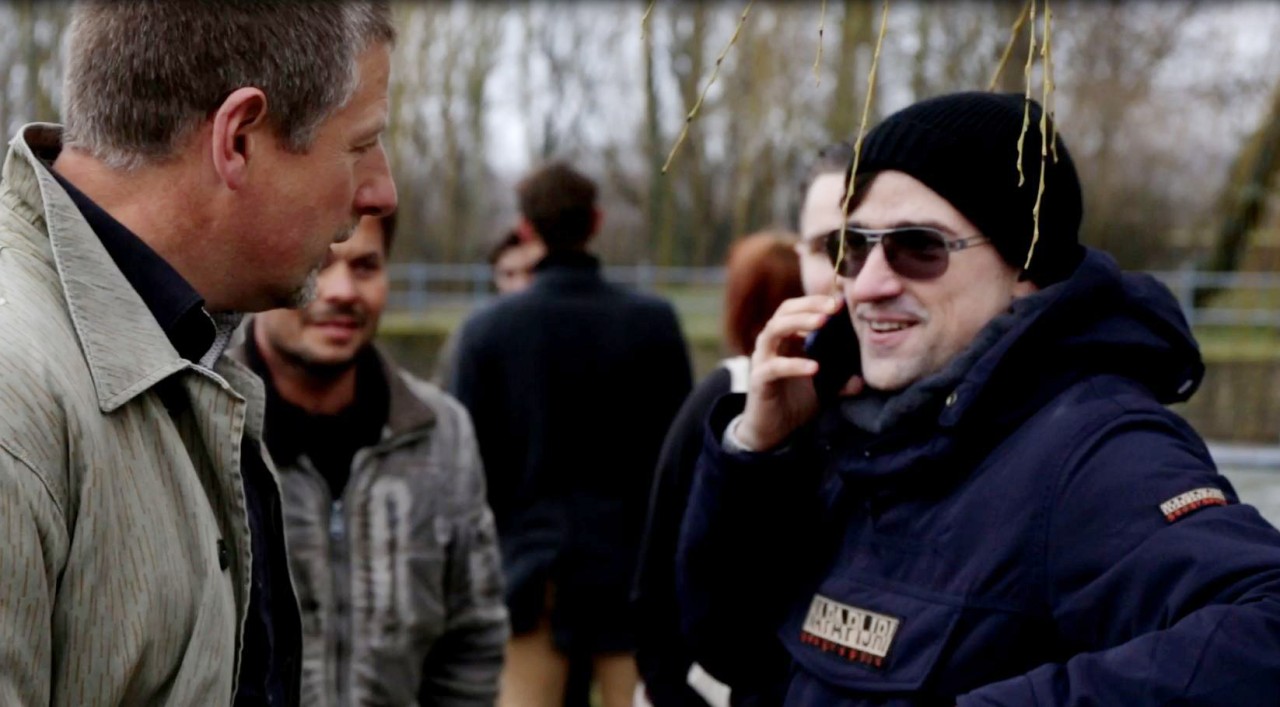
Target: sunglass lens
x,y
916,253
850,262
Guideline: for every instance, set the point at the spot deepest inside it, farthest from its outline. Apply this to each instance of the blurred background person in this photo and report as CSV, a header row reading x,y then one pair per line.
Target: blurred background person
x,y
759,277
512,259
511,263
572,385
392,547
763,270
822,199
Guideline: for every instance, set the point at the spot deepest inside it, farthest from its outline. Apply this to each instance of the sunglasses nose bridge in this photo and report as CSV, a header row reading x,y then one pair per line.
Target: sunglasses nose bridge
x,y
877,277
905,252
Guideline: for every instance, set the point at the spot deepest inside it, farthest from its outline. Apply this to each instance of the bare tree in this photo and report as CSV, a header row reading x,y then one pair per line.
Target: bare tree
x,y
1244,198
30,63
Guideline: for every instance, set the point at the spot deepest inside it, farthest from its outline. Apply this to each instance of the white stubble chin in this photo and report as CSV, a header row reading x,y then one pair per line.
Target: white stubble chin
x,y
306,292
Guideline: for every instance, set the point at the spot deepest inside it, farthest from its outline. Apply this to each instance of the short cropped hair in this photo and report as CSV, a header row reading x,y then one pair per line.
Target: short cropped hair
x,y
763,270
560,203
835,158
142,75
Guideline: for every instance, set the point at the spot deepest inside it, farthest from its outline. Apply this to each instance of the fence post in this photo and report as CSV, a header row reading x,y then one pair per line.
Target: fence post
x,y
644,275
479,281
419,284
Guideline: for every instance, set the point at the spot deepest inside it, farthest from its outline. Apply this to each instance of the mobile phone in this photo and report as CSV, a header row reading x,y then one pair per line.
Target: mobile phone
x,y
835,347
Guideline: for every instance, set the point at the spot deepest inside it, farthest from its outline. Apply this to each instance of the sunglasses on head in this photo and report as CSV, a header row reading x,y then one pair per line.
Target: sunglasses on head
x,y
914,252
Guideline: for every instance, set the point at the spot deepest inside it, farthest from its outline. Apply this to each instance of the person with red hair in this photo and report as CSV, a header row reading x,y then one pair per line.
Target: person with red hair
x,y
763,270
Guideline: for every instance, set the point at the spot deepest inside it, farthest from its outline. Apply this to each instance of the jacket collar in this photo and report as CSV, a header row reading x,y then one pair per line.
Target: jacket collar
x,y
406,411
568,260
126,350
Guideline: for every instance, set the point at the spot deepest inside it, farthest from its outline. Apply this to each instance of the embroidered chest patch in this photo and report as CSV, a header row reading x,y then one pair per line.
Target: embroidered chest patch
x,y
860,635
1183,504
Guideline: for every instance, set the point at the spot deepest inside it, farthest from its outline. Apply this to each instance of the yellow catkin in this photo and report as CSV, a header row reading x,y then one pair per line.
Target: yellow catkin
x,y
688,120
1008,48
1045,90
644,20
817,62
1052,88
862,127
1026,108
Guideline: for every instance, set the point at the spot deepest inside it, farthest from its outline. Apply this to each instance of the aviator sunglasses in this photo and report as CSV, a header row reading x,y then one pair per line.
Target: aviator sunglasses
x,y
914,252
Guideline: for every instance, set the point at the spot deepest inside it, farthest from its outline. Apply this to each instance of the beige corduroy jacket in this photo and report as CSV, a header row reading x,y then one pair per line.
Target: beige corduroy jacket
x,y
125,563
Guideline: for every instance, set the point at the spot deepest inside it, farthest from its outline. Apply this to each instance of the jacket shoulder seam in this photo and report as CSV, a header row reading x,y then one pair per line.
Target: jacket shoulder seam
x,y
25,461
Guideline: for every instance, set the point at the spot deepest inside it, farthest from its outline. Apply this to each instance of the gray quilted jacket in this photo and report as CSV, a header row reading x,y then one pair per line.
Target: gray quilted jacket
x,y
399,580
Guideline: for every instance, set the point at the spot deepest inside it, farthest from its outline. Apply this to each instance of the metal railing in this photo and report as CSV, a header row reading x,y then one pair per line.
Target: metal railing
x,y
1187,283
417,286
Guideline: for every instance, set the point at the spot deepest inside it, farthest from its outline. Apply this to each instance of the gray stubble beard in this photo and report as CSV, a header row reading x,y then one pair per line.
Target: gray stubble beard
x,y
306,292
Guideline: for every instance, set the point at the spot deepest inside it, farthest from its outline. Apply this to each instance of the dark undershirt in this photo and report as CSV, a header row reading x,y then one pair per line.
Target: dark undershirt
x,y
330,442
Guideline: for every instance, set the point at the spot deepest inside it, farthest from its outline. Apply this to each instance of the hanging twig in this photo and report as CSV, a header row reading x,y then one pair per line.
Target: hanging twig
x,y
862,127
1008,48
1045,91
817,63
1052,87
644,20
688,120
1026,104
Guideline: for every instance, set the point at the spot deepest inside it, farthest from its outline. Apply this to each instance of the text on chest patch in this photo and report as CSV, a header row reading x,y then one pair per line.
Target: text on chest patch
x,y
860,635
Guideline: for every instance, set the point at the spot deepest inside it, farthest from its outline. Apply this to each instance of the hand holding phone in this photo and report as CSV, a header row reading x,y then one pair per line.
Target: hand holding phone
x,y
835,347
781,392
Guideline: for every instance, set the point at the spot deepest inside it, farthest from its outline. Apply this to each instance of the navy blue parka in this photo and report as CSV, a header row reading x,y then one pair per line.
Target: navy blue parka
x,y
1046,533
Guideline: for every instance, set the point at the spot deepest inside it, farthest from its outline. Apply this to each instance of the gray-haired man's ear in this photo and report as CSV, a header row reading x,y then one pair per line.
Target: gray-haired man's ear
x,y
238,125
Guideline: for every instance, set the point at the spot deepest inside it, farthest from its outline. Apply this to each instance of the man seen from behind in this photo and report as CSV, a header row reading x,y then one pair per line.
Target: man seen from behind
x,y
572,384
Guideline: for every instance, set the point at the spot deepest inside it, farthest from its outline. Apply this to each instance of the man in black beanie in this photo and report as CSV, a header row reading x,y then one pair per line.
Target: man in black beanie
x,y
965,488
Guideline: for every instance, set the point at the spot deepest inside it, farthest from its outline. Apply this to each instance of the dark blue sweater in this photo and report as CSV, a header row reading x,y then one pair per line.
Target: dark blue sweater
x,y
1006,545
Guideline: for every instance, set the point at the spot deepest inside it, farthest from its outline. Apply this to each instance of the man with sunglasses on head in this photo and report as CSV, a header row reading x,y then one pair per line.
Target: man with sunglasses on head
x,y
997,509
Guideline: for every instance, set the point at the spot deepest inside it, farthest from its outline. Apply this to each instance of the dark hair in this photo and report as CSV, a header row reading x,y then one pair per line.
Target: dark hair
x,y
860,185
836,158
762,271
388,224
509,240
560,203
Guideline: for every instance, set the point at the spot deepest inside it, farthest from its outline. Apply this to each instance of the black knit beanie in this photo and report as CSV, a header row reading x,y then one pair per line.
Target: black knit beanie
x,y
964,146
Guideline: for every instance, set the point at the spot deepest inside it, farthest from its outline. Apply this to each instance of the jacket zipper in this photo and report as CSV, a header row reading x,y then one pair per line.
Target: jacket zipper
x,y
337,540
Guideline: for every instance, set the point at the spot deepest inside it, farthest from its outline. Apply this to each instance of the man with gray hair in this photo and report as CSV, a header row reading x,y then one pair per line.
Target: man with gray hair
x,y
212,153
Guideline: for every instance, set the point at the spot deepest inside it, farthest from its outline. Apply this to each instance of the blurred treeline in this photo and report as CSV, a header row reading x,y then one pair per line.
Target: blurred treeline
x,y
1171,111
